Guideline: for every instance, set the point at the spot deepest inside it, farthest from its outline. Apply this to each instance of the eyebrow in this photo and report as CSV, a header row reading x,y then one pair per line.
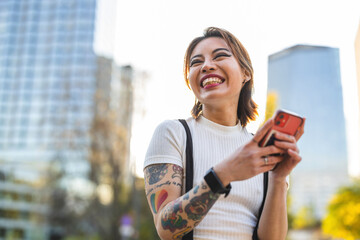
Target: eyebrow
x,y
221,49
216,50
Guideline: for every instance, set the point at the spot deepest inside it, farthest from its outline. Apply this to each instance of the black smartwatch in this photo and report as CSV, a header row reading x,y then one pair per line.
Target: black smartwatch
x,y
215,184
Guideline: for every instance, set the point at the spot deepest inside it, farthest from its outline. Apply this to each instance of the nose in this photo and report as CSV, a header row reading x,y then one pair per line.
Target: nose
x,y
207,66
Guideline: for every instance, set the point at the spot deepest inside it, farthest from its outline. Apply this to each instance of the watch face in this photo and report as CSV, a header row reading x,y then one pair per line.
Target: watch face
x,y
215,184
211,181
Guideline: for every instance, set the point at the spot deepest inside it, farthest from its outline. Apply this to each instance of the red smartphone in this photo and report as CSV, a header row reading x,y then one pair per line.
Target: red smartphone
x,y
285,122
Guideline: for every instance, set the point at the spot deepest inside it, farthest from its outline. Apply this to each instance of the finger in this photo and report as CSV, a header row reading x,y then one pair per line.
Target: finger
x,y
285,137
267,168
267,163
286,145
294,156
271,160
270,150
263,130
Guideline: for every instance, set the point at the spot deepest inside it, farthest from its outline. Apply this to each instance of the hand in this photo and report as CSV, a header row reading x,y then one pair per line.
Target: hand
x,y
249,160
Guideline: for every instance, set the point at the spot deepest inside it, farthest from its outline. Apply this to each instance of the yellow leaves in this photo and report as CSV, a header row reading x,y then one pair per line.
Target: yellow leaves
x,y
343,218
305,218
271,105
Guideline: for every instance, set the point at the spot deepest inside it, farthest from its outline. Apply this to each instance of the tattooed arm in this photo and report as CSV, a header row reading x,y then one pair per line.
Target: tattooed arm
x,y
175,215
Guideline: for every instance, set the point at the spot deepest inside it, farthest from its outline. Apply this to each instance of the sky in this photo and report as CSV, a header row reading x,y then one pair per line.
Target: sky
x,y
152,36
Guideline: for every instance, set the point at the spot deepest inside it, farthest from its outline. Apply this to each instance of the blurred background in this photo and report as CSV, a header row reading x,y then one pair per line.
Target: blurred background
x,y
84,83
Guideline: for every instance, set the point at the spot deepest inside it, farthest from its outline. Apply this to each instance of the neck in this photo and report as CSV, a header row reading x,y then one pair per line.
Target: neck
x,y
226,116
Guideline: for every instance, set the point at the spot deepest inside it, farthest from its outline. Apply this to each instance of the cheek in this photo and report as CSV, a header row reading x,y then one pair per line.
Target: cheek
x,y
237,75
193,79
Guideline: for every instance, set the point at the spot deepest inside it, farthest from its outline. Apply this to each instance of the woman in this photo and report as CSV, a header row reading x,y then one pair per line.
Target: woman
x,y
218,70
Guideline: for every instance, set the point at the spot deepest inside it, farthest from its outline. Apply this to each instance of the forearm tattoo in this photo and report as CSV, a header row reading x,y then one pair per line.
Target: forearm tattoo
x,y
183,214
186,212
199,206
171,218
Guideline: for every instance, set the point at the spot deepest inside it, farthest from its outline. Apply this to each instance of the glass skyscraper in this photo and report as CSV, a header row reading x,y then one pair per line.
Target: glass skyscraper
x,y
356,171
306,80
48,72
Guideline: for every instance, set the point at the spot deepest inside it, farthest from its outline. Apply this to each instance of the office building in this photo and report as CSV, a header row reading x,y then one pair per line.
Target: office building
x,y
47,82
356,171
306,80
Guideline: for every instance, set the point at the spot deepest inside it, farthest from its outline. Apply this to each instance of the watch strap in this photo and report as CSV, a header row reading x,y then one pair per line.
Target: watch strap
x,y
215,183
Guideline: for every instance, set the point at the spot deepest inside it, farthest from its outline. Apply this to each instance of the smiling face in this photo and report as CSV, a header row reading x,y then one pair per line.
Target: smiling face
x,y
208,48
215,76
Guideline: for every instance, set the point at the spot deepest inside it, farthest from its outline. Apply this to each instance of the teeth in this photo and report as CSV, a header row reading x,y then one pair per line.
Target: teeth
x,y
211,80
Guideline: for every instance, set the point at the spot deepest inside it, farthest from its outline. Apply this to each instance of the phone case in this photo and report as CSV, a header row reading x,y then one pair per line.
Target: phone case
x,y
285,122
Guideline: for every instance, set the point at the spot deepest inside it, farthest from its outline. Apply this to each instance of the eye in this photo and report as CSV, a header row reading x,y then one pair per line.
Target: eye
x,y
193,62
222,55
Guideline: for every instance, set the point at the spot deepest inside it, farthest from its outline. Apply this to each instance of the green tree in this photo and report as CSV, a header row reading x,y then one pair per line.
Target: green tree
x,y
343,213
108,153
146,228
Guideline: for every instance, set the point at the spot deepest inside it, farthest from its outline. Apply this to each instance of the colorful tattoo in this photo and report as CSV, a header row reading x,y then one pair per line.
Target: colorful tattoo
x,y
199,206
171,219
186,196
156,173
182,233
157,199
148,191
178,172
196,189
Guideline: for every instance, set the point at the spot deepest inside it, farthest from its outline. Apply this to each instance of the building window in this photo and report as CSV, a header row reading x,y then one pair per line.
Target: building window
x,y
24,123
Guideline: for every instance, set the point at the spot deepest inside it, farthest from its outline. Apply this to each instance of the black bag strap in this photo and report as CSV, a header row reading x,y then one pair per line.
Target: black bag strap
x,y
189,158
266,181
189,168
189,178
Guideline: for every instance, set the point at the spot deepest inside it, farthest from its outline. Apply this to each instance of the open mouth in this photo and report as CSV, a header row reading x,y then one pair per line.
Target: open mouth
x,y
211,82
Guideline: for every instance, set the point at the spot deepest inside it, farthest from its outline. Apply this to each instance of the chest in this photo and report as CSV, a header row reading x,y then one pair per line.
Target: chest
x,y
210,148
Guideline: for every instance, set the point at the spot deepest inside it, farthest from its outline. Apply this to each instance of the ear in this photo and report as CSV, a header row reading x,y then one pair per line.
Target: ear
x,y
247,76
